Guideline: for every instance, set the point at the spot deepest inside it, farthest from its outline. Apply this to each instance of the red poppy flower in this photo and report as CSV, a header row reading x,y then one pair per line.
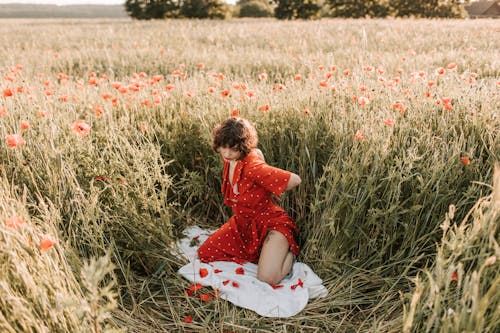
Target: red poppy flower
x,y
106,95
389,122
157,78
362,100
360,135
98,111
188,319
14,222
400,107
465,160
14,140
454,276
7,92
81,128
264,108
46,243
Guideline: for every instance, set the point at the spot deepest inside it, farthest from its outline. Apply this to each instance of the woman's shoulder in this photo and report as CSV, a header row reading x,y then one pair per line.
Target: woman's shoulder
x,y
255,155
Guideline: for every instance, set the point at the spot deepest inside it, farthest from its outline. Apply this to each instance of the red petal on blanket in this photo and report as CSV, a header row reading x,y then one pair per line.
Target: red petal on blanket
x,y
216,271
225,282
203,272
236,285
300,283
277,286
240,271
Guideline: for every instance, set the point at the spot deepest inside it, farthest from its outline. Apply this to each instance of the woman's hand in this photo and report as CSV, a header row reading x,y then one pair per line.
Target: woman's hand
x,y
293,182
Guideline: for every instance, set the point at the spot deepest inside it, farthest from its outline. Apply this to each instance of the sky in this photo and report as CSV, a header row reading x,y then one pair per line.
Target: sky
x,y
66,2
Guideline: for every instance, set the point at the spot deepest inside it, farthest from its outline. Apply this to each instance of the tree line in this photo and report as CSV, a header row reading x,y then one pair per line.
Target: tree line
x,y
295,9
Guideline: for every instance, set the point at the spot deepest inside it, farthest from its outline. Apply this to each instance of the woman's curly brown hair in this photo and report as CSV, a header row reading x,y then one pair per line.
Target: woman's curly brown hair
x,y
237,133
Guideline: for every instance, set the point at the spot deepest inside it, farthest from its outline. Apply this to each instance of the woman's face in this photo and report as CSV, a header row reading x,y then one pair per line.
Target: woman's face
x,y
229,154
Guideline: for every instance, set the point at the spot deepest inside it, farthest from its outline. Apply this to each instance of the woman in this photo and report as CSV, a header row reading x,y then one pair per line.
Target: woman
x,y
259,231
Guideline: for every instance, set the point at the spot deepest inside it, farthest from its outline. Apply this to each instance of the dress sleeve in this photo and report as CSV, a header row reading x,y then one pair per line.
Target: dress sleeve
x,y
271,178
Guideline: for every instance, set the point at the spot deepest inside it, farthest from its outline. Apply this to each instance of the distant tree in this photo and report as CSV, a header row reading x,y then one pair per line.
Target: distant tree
x,y
152,9
398,8
158,9
429,8
359,8
255,8
213,9
297,9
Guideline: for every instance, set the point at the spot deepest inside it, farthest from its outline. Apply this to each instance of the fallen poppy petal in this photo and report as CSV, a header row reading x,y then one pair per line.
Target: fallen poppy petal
x,y
205,297
195,287
465,160
203,272
240,271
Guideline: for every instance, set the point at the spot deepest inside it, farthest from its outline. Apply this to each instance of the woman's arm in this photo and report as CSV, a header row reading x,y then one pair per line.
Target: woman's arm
x,y
294,180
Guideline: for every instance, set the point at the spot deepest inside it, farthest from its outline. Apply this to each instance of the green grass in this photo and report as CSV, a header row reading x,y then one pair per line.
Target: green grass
x,y
386,221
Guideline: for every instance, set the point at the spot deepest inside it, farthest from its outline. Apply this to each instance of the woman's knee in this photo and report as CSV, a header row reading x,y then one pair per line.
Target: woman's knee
x,y
271,278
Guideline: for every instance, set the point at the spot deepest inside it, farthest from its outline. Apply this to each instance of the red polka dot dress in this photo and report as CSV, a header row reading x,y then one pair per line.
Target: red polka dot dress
x,y
254,214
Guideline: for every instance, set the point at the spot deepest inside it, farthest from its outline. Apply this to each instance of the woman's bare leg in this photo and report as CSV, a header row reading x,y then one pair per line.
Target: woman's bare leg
x,y
275,259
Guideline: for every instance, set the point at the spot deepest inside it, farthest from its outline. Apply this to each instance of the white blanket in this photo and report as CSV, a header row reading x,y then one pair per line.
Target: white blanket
x,y
238,283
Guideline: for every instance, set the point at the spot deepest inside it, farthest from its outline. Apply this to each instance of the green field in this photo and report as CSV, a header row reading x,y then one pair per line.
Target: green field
x,y
105,157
